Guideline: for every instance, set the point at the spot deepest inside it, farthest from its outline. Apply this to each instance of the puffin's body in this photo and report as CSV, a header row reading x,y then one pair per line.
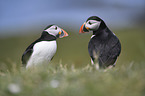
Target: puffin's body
x,y
41,51
104,47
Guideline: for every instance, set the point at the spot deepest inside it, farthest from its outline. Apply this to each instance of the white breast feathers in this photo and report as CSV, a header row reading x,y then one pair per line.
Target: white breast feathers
x,y
42,53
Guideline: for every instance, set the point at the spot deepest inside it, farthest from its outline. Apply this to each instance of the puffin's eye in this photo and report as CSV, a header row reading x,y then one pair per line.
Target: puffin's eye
x,y
89,22
55,28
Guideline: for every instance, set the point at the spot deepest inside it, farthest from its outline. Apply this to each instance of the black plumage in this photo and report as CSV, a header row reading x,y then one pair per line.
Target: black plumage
x,y
107,46
104,47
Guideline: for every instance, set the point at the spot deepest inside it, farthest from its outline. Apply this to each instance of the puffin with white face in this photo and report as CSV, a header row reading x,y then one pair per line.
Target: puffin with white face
x,y
104,47
41,51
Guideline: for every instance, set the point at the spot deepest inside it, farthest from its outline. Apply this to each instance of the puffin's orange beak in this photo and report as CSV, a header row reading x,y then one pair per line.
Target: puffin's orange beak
x,y
63,33
81,29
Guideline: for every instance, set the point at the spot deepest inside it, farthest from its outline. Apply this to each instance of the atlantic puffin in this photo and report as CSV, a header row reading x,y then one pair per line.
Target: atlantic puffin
x,y
41,51
104,47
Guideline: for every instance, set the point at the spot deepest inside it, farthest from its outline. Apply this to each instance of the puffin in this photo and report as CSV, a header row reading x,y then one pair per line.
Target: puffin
x,y
104,47
42,50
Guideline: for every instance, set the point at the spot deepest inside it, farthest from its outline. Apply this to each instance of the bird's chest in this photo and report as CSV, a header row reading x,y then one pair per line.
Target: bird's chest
x,y
98,43
44,49
99,46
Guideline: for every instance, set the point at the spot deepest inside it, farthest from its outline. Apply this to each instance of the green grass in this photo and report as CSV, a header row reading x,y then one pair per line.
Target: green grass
x,y
127,80
70,72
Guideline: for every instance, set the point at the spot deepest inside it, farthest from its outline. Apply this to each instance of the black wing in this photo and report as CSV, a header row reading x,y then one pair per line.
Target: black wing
x,y
109,57
106,52
26,55
28,52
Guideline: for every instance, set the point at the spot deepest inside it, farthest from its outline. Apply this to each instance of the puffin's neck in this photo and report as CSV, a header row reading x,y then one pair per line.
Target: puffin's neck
x,y
100,29
102,34
47,37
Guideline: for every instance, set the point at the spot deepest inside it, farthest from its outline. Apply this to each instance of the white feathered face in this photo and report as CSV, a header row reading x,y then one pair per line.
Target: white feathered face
x,y
90,25
56,31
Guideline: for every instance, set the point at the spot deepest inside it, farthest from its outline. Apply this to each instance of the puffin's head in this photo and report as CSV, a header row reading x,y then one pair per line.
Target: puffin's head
x,y
56,31
93,23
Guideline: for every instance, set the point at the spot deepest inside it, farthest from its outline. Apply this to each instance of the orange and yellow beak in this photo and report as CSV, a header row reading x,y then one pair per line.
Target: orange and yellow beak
x,y
82,28
62,33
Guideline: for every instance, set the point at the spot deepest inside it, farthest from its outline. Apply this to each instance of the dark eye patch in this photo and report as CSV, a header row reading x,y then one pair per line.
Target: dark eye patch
x,y
89,22
55,28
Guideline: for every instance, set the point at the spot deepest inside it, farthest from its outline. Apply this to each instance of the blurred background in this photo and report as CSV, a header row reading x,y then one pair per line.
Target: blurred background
x,y
22,21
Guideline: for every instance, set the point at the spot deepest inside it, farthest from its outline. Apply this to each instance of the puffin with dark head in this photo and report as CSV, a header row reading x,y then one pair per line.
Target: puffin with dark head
x,y
104,47
41,51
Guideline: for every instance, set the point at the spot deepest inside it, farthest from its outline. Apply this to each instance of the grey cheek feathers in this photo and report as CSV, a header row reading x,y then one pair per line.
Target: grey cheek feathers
x,y
94,26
